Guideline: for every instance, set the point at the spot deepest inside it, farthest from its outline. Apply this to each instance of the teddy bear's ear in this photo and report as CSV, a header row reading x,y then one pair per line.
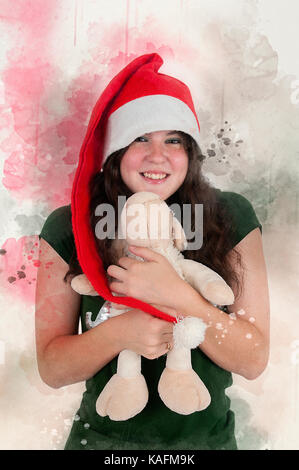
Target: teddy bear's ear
x,y
178,234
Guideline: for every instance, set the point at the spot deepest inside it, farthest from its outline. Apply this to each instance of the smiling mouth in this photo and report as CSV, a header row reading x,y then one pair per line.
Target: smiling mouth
x,y
154,176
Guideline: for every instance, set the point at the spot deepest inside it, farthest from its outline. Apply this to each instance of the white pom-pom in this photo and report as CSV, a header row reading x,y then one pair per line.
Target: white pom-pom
x,y
189,332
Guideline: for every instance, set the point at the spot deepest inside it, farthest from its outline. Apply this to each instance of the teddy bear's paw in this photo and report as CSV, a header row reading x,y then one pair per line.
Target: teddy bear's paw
x,y
122,398
82,285
182,391
218,292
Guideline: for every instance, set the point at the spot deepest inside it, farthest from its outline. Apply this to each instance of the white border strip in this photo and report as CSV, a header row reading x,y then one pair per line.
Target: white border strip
x,y
148,114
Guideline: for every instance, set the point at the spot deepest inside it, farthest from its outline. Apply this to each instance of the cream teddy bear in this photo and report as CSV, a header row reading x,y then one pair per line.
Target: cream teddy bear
x,y
180,388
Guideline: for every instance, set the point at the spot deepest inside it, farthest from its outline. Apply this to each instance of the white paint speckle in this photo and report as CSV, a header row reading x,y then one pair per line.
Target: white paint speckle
x,y
241,312
252,319
84,442
219,326
77,418
232,316
249,336
87,425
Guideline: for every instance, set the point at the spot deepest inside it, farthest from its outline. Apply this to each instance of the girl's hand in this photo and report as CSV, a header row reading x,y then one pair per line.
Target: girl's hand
x,y
152,281
144,334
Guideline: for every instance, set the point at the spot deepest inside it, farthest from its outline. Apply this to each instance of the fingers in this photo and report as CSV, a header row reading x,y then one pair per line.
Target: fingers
x,y
169,347
167,338
117,287
165,329
147,335
127,262
162,333
158,351
145,253
116,272
119,273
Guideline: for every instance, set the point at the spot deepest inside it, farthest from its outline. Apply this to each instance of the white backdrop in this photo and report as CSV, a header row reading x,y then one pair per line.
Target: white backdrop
x,y
241,61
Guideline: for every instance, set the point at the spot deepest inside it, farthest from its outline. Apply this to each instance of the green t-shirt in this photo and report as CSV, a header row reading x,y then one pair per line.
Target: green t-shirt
x,y
156,427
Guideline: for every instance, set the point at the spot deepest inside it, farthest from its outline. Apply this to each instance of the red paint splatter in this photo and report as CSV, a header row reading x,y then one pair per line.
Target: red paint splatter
x,y
15,282
21,274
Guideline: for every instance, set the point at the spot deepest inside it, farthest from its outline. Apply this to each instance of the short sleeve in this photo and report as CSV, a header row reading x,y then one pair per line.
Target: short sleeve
x,y
242,215
57,231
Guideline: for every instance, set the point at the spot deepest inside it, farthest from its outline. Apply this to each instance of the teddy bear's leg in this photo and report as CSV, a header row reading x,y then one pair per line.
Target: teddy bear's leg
x,y
180,388
207,282
126,393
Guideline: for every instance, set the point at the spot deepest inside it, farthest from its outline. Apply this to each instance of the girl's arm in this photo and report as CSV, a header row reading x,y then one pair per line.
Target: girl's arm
x,y
238,342
63,356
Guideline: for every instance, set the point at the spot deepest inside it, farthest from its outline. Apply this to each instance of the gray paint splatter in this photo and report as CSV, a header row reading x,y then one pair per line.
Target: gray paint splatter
x,y
248,436
29,224
259,138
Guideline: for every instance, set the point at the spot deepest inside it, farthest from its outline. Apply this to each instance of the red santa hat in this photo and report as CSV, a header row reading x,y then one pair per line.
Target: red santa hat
x,y
138,100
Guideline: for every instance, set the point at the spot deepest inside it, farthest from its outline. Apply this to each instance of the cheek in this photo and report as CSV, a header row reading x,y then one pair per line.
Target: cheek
x,y
128,164
180,164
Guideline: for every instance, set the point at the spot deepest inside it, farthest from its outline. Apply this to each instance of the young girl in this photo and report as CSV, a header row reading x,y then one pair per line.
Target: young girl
x,y
144,136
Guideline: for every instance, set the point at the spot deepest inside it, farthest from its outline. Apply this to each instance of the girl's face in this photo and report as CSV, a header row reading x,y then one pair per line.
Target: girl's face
x,y
155,162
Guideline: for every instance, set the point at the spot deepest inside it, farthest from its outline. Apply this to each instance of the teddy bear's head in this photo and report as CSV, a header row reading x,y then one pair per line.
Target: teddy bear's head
x,y
146,220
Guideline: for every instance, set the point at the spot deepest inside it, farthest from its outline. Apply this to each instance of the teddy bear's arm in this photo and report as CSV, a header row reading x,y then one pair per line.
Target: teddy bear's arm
x,y
82,285
207,282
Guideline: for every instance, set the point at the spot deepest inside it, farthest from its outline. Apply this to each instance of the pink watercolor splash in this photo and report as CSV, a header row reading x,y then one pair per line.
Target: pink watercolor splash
x,y
25,80
18,267
42,148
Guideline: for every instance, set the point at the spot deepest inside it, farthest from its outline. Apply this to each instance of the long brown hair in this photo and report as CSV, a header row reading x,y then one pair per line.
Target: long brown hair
x,y
107,185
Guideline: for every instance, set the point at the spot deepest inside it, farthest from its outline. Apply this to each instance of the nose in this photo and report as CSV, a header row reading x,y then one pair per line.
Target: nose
x,y
157,152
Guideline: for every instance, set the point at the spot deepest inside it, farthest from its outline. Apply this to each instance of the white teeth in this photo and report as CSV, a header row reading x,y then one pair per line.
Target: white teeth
x,y
155,176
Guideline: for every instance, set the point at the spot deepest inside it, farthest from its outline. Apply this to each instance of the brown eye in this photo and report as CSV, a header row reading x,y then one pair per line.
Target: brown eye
x,y
140,139
174,141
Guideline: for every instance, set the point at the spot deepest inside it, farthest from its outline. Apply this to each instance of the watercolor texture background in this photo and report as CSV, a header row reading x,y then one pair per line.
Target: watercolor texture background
x,y
241,61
